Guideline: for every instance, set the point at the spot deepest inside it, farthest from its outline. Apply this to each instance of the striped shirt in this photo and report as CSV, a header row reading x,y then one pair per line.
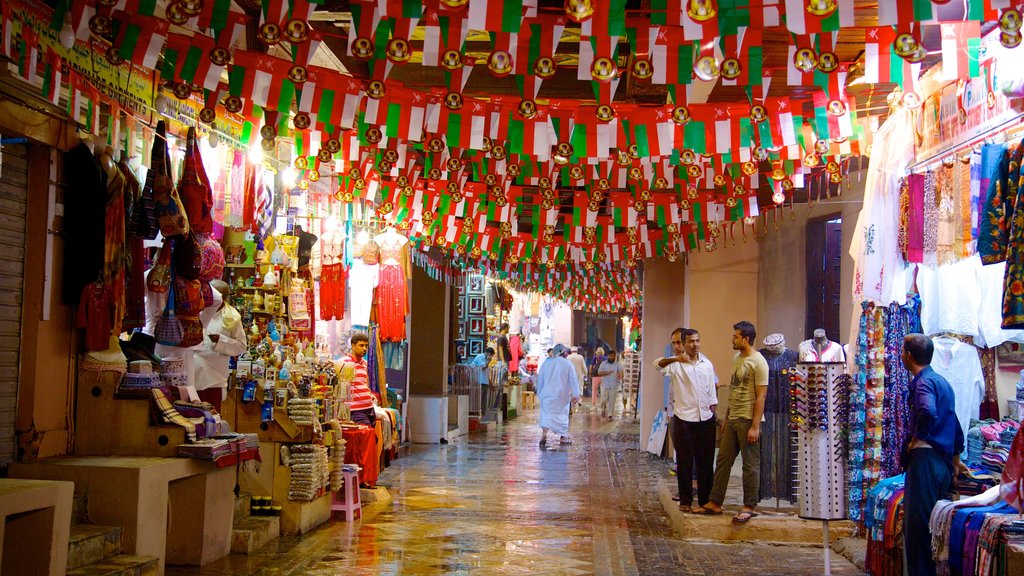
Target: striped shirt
x,y
361,396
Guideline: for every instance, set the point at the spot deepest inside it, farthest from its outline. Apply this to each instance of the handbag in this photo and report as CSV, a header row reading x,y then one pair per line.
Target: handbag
x,y
191,332
159,277
188,297
211,265
194,188
168,329
144,223
170,213
188,257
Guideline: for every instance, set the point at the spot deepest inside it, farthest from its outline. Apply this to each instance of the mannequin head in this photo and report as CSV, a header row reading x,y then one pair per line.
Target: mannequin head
x,y
819,335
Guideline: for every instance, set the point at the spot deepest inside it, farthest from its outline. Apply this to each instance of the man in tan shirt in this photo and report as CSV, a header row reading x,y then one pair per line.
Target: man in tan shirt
x,y
741,428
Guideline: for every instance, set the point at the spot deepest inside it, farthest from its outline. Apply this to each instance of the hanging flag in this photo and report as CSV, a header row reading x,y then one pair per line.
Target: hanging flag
x,y
52,76
961,42
141,38
7,30
81,14
28,53
878,56
496,15
187,59
800,21
893,12
796,76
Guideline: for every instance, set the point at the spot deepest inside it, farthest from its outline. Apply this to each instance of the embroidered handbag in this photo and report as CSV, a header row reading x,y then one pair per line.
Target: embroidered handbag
x,y
207,292
168,329
211,266
159,277
188,257
188,297
170,213
191,332
194,188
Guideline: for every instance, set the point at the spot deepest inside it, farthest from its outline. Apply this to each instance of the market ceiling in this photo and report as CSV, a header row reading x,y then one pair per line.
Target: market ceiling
x,y
524,132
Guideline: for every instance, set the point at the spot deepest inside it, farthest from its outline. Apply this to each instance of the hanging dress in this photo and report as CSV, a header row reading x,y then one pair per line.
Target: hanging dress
x,y
391,289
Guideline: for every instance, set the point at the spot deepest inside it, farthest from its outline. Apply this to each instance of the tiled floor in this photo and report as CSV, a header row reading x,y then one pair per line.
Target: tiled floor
x,y
499,504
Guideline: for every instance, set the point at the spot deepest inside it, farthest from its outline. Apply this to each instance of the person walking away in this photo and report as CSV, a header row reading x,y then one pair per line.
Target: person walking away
x,y
595,380
556,389
482,361
932,454
580,364
610,372
693,399
741,428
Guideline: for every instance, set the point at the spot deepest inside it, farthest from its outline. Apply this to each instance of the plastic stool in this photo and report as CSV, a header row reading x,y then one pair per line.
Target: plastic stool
x,y
351,507
529,399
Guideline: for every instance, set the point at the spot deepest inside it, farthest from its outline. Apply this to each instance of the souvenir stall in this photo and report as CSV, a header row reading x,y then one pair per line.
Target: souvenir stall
x,y
936,252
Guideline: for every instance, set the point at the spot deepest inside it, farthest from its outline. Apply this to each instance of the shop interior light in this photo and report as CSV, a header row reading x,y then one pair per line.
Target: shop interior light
x,y
160,104
362,237
289,176
256,154
66,37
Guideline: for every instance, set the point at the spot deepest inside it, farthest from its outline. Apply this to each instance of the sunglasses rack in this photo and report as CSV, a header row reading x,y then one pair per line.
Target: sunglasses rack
x,y
819,405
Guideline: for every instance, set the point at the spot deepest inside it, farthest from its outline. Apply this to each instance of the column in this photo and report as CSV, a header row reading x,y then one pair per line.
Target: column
x,y
662,313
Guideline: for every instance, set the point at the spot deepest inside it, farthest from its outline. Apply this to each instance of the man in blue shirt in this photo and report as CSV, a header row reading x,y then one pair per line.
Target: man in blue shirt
x,y
932,458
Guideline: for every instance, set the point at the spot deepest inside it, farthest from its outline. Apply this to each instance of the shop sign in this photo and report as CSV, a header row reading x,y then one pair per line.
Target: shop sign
x,y
129,85
954,115
182,114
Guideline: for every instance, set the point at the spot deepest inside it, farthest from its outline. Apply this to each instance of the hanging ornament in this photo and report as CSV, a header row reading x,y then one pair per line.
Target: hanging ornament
x,y
905,45
498,152
303,184
642,68
176,15
911,100
454,4
527,108
451,60
760,153
499,63
1010,20
828,62
730,202
917,55
731,69
576,172
269,34
603,69
191,7
694,171
660,182
296,31
268,132
749,168
220,56
701,10
100,25
490,179
453,101
719,180
398,51
301,163
604,113
375,90
181,91
362,48
810,160
835,178
836,107
384,167
301,121
544,68
758,113
820,8
680,115
233,104
333,145
777,173
622,158
268,144
805,60
207,115
435,145
298,74
832,167
391,156
822,146
706,68
779,197
1010,39
113,55
787,184
579,10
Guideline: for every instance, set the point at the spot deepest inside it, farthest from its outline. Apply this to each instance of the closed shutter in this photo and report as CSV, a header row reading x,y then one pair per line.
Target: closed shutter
x,y
13,202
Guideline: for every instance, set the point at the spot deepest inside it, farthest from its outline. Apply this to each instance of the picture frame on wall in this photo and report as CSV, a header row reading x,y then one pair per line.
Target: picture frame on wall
x,y
476,346
462,330
476,327
476,305
476,284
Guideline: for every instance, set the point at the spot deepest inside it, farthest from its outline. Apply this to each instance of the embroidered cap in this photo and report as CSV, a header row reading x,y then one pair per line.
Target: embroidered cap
x,y
774,340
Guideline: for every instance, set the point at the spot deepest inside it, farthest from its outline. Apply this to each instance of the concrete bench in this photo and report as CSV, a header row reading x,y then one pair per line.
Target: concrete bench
x,y
35,523
176,509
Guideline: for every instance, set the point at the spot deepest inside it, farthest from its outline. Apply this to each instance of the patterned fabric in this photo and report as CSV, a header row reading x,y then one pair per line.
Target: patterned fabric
x,y
896,410
964,237
858,402
902,237
990,404
873,424
169,414
915,218
1013,280
777,435
995,229
931,220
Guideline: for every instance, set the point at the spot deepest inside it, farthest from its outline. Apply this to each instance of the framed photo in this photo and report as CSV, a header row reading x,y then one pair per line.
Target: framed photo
x,y
476,305
462,330
460,310
476,327
476,346
476,284
462,291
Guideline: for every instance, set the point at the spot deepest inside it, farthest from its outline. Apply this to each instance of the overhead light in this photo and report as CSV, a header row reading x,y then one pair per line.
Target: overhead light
x,y
67,33
160,104
256,154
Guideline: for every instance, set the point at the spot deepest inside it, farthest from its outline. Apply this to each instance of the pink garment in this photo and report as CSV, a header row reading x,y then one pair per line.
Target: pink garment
x,y
516,349
915,218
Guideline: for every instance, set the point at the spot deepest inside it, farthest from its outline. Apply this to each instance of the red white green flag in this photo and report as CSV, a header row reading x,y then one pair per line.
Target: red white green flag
x,y
496,15
672,57
893,12
141,38
52,76
799,21
961,42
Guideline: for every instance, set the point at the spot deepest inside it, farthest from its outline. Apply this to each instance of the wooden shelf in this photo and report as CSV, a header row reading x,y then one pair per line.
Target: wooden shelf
x,y
240,265
263,288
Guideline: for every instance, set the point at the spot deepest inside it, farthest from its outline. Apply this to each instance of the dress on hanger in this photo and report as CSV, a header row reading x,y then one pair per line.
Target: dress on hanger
x,y
362,281
391,292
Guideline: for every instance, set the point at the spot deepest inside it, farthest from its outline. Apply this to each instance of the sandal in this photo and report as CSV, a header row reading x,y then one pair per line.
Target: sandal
x,y
702,511
543,442
743,516
565,441
686,508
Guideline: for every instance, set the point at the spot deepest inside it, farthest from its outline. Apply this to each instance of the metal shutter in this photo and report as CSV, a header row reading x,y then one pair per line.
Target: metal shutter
x,y
13,201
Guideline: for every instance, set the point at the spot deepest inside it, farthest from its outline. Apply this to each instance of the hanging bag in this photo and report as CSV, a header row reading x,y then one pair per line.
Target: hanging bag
x,y
188,257
188,297
170,213
144,223
159,277
168,329
194,188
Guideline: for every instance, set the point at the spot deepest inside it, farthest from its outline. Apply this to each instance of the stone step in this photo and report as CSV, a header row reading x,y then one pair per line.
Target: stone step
x,y
243,504
120,565
254,532
91,543
80,508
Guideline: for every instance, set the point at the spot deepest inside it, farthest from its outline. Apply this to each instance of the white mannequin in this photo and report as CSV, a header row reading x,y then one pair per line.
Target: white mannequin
x,y
821,349
390,241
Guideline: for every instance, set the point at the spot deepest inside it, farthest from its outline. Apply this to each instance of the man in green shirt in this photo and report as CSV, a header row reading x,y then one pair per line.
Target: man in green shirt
x,y
741,427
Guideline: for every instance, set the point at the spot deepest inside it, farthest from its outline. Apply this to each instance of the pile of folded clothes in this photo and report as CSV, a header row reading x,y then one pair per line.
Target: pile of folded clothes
x,y
975,480
309,470
988,444
223,449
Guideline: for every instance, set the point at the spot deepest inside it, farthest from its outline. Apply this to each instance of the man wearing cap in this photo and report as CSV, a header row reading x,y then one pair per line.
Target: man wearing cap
x,y
225,337
557,388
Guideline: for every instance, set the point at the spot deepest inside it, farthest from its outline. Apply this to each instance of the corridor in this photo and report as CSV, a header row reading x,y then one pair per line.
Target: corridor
x,y
498,504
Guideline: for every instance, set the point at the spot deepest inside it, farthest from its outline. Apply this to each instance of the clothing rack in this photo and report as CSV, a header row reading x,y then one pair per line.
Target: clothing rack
x,y
1002,128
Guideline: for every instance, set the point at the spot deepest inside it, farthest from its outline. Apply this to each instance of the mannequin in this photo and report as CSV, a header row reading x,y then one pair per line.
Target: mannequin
x,y
363,279
821,349
777,436
306,242
392,300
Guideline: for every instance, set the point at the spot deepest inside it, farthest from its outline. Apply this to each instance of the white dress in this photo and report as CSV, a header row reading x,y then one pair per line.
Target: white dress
x,y
556,387
879,269
362,279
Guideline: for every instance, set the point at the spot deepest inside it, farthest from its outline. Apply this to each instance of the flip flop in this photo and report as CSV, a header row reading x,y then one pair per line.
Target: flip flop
x,y
706,512
543,442
743,516
565,442
675,498
686,508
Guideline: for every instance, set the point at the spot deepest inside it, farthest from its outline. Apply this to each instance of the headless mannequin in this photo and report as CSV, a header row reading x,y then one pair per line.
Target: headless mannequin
x,y
820,349
820,341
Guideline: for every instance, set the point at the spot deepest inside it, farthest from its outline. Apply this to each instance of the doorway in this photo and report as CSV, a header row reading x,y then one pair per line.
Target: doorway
x,y
824,275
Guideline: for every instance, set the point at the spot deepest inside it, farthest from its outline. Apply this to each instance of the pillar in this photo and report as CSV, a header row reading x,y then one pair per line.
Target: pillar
x,y
429,335
662,313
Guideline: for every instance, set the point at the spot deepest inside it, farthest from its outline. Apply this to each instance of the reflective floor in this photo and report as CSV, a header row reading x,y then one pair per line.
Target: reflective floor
x,y
498,504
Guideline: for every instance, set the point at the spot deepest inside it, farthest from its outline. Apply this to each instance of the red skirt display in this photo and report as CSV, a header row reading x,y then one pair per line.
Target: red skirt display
x,y
332,291
391,303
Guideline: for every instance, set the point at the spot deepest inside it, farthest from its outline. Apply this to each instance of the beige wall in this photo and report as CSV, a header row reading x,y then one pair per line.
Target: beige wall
x,y
782,282
428,335
721,289
663,310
